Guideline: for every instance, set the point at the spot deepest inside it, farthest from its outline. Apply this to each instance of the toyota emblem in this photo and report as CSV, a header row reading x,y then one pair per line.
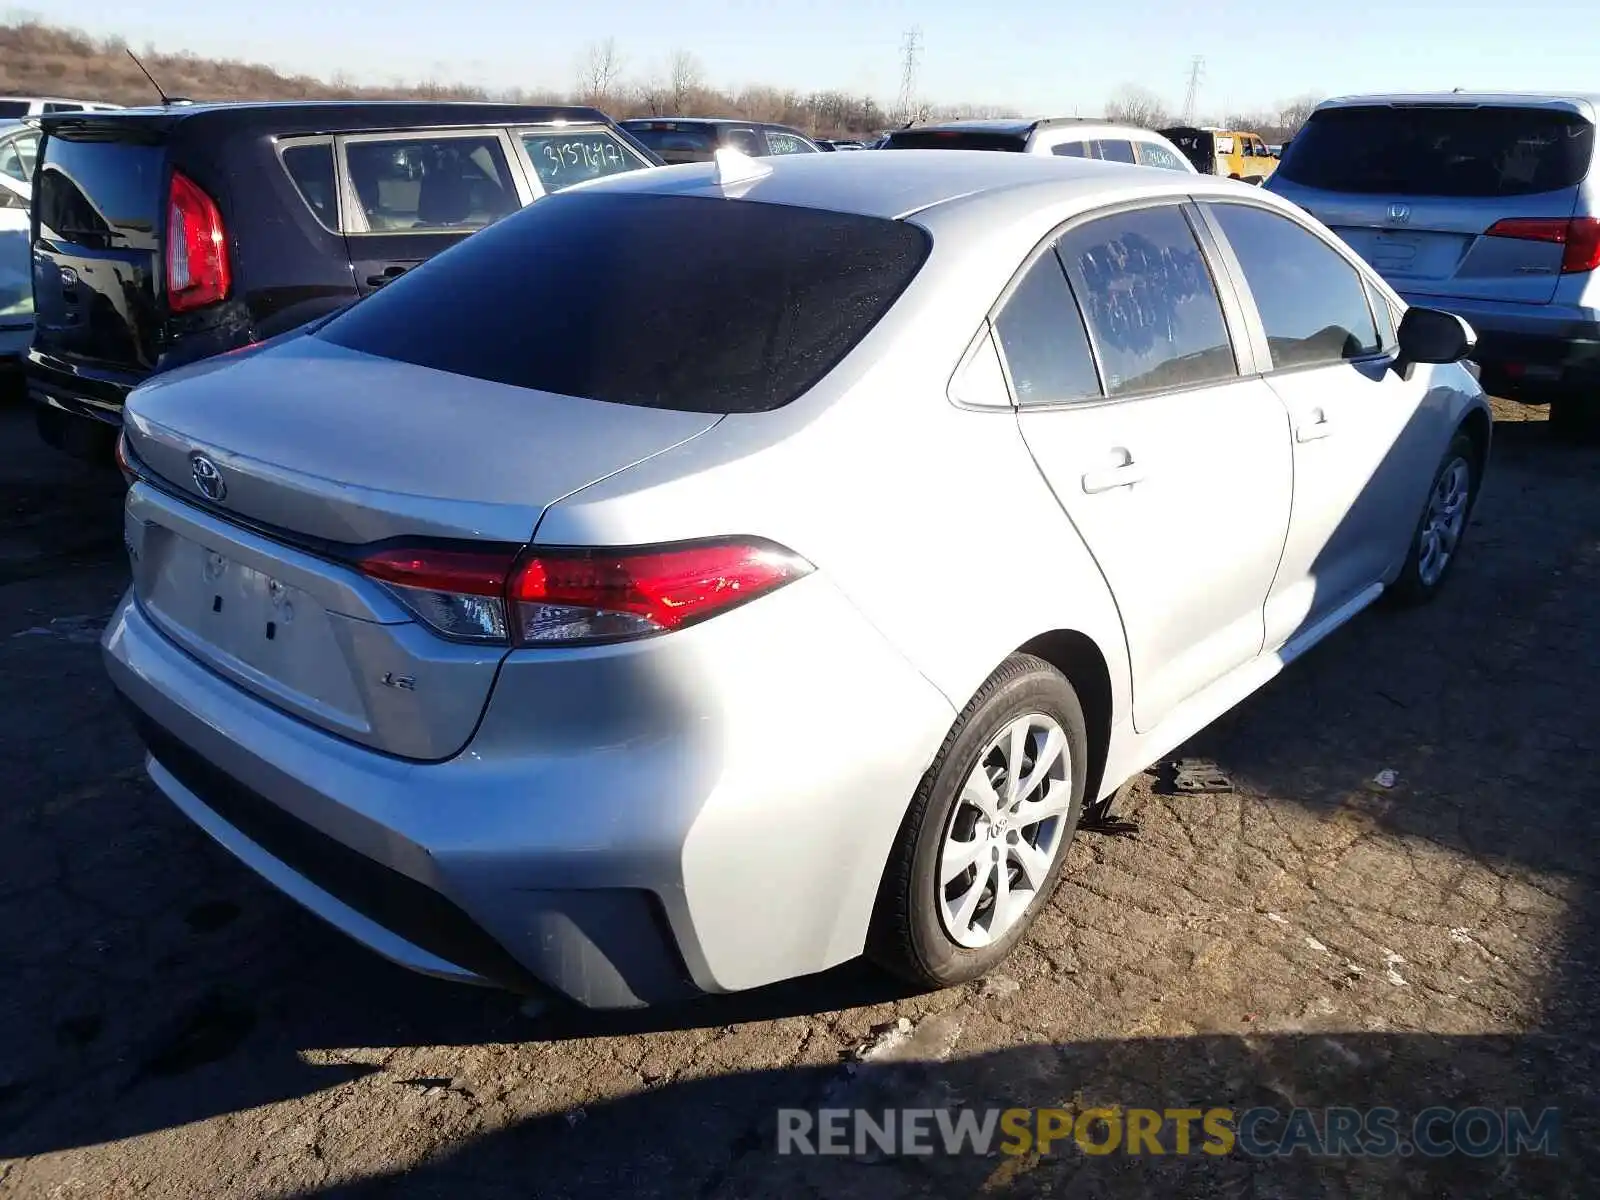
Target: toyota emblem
x,y
1400,214
207,478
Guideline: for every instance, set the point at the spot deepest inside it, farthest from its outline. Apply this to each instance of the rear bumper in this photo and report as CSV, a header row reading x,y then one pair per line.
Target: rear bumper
x,y
631,836
93,393
1519,343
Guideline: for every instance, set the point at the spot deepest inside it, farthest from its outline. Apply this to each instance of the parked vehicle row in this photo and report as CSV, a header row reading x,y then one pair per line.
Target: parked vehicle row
x,y
473,537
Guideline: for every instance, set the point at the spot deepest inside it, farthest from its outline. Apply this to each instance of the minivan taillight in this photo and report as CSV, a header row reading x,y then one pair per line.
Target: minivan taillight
x,y
197,247
1580,237
567,597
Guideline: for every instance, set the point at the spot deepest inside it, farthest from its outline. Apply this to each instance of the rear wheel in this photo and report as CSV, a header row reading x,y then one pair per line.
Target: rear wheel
x,y
983,843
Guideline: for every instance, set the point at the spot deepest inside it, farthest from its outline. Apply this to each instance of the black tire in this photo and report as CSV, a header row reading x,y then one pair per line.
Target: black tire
x,y
1575,416
1411,588
908,937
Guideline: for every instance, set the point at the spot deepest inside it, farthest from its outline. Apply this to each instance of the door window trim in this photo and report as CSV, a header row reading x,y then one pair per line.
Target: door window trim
x,y
1252,314
339,205
354,217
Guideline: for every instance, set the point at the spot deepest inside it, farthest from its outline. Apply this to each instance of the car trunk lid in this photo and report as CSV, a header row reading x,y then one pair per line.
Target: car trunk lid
x,y
271,471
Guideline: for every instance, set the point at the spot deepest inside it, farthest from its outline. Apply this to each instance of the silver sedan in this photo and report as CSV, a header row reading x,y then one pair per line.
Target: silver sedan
x,y
710,574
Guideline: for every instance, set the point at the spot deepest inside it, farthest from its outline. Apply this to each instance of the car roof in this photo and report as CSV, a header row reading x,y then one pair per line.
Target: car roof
x,y
1584,103
898,184
1024,126
302,115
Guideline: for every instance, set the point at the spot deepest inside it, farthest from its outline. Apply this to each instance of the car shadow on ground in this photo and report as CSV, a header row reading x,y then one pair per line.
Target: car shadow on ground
x,y
1489,695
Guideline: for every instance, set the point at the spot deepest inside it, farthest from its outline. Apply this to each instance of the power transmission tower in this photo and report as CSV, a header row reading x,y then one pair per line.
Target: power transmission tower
x,y
1191,97
910,56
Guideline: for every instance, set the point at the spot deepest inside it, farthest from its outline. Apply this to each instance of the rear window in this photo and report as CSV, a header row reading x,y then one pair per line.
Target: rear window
x,y
573,295
101,194
13,108
952,139
675,143
1440,151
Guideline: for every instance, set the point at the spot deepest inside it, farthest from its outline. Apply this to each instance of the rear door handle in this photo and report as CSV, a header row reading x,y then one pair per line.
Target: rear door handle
x,y
1125,474
1315,427
389,275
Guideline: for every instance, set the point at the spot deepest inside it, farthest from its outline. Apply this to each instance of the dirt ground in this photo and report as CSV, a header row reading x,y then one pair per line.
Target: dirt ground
x,y
171,1026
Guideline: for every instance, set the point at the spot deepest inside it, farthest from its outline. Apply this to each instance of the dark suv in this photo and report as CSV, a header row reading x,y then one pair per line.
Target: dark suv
x,y
697,139
164,235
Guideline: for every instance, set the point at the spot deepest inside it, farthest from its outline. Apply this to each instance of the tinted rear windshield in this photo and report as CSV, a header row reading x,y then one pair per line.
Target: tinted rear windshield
x,y
692,303
102,194
954,139
1444,151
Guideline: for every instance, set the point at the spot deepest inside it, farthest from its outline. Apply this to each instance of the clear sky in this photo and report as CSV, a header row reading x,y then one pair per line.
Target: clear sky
x,y
1029,54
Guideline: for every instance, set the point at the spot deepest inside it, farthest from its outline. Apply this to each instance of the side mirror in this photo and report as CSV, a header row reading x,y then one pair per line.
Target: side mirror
x,y
1430,335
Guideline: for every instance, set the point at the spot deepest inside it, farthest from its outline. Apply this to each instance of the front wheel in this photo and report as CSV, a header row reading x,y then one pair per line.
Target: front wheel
x,y
1436,542
984,840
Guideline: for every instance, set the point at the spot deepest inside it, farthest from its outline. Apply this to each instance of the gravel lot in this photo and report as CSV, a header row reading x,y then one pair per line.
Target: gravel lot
x,y
170,1026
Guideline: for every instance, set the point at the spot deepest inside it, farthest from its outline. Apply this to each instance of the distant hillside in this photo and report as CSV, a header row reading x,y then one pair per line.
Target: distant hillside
x,y
40,59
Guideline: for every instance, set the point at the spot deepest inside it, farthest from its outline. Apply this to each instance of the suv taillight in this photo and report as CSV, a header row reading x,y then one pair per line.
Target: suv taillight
x,y
1580,237
197,247
575,597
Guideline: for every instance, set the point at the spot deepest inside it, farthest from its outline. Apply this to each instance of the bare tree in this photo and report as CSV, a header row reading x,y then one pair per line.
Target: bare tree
x,y
1293,115
685,77
598,72
1134,105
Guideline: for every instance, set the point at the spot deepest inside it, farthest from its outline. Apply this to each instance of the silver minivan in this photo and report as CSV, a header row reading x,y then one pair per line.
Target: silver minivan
x,y
1484,204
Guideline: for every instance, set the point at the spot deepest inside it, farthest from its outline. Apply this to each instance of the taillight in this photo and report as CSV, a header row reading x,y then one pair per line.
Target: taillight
x,y
460,593
1580,237
197,247
577,596
607,595
123,464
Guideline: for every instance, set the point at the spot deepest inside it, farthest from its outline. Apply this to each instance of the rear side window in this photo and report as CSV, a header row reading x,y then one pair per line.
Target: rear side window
x,y
17,156
563,159
1041,333
101,194
1072,150
12,109
1313,304
1440,151
954,139
431,184
1152,307
782,142
1116,151
1152,155
311,168
573,295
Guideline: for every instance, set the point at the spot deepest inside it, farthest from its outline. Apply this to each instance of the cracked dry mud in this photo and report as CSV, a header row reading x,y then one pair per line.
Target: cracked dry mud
x,y
170,1026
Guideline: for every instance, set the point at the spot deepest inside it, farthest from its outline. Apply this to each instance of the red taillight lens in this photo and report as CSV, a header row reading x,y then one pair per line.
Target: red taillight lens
x,y
567,596
460,593
572,597
123,464
1579,235
198,272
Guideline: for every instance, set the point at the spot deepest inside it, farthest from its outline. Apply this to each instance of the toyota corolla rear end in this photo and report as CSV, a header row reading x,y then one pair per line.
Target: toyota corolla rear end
x,y
628,773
